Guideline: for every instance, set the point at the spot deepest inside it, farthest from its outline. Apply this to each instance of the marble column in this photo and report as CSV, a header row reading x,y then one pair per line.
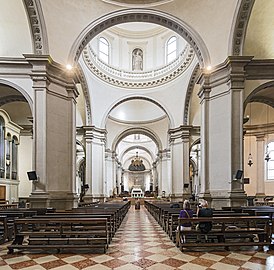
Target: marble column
x,y
54,134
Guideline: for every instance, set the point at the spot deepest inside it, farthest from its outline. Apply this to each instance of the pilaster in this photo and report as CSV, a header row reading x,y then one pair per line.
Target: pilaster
x,y
179,144
222,152
95,162
54,133
165,180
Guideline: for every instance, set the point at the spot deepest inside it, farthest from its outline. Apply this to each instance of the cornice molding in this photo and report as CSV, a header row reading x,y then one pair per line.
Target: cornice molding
x,y
240,26
260,69
37,26
45,70
128,122
137,3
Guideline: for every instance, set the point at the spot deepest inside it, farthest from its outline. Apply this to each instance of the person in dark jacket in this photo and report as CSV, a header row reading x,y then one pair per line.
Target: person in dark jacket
x,y
204,211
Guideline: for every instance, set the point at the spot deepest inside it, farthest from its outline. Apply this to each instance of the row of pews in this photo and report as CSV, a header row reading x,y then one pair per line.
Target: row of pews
x,y
89,227
232,226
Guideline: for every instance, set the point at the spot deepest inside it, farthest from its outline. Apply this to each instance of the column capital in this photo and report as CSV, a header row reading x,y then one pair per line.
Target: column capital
x,y
260,137
46,71
232,70
110,154
92,133
164,154
180,134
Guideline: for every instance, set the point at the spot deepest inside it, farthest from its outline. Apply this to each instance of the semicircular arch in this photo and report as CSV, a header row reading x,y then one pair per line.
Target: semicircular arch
x,y
134,97
140,15
137,130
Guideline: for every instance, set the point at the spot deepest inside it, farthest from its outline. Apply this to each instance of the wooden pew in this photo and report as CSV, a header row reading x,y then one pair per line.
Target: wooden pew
x,y
75,215
225,230
6,230
173,221
60,233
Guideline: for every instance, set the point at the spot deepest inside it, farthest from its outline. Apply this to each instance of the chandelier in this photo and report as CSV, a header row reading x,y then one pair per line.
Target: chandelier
x,y
136,164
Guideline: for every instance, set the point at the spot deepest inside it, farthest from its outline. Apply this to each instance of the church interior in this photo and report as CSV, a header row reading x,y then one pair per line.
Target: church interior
x,y
114,102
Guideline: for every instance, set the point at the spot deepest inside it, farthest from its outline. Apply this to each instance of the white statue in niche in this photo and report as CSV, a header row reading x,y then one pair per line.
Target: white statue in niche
x,y
137,59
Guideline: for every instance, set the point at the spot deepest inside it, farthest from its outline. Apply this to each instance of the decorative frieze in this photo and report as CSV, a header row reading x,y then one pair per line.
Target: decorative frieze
x,y
147,16
241,26
37,26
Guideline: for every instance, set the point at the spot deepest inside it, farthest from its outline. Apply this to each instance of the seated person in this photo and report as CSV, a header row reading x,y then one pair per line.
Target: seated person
x,y
186,212
204,211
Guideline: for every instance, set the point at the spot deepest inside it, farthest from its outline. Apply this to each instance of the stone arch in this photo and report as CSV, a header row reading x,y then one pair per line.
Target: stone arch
x,y
125,99
21,90
140,15
37,26
141,130
240,22
189,91
254,97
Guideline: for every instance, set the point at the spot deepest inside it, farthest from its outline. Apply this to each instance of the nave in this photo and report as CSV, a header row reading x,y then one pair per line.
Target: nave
x,y
140,243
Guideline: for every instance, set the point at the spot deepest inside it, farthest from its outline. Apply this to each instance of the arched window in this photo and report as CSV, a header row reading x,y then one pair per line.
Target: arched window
x,y
171,49
270,163
8,141
137,59
2,147
14,157
104,50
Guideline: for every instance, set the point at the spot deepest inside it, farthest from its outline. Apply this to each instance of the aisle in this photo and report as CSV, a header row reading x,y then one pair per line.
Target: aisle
x,y
140,243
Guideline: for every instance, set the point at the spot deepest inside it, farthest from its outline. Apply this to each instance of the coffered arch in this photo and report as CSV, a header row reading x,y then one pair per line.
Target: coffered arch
x,y
140,15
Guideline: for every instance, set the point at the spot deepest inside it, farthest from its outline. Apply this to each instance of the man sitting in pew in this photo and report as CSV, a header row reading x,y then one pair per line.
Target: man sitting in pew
x,y
204,211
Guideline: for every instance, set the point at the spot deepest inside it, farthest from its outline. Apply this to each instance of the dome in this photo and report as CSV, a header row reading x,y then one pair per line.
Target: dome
x,y
138,55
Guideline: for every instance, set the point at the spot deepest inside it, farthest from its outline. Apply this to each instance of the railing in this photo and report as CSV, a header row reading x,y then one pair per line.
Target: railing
x,y
91,59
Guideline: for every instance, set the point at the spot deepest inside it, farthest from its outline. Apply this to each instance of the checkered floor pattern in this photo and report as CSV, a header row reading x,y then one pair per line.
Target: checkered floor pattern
x,y
140,243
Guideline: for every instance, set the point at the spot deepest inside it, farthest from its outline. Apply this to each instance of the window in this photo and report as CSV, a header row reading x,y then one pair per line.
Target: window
x,y
2,147
104,50
8,140
14,157
270,163
171,49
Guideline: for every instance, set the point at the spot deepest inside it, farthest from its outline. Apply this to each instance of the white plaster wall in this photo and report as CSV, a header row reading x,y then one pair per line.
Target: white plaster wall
x,y
195,107
24,165
260,36
152,43
205,17
114,129
171,96
14,29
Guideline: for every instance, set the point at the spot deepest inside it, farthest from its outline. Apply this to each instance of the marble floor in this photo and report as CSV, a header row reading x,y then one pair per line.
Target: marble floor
x,y
140,243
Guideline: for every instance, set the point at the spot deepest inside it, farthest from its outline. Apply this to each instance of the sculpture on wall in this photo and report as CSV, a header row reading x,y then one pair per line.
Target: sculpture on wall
x,y
137,60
